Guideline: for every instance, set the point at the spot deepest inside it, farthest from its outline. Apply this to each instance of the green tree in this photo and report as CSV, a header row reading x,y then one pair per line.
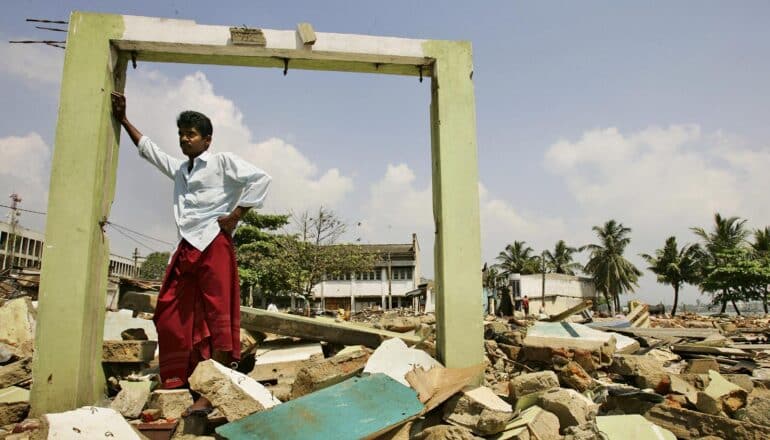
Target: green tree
x,y
517,258
722,243
258,251
561,259
154,266
736,275
674,266
761,248
613,275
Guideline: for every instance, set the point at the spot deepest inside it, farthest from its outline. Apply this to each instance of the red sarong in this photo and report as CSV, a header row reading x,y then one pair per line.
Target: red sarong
x,y
198,308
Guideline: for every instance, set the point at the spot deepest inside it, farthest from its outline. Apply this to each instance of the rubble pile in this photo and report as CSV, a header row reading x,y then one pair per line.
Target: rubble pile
x,y
688,377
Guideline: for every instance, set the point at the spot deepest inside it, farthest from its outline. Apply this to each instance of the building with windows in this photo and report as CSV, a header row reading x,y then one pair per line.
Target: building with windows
x,y
550,294
23,249
395,274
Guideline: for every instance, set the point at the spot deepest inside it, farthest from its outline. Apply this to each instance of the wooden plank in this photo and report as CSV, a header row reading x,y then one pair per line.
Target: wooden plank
x,y
361,407
657,332
306,33
571,311
750,346
705,349
318,329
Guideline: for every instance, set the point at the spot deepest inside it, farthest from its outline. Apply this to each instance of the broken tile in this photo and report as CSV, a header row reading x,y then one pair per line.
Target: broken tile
x,y
479,410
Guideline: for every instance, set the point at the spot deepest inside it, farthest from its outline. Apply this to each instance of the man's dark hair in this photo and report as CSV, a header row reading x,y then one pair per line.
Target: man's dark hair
x,y
196,120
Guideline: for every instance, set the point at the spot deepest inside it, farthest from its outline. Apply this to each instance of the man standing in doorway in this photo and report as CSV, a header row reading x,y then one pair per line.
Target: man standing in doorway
x,y
525,305
198,310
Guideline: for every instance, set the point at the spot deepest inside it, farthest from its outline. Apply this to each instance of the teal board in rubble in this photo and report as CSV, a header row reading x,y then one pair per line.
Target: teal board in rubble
x,y
354,409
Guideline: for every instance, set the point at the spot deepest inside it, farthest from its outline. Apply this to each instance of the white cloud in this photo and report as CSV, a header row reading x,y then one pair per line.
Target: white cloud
x,y
35,64
24,169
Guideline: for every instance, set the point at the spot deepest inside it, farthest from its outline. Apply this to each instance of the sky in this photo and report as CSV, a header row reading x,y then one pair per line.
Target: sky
x,y
651,113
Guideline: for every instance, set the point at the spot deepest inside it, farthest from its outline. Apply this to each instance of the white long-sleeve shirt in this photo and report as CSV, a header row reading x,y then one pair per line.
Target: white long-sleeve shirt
x,y
217,184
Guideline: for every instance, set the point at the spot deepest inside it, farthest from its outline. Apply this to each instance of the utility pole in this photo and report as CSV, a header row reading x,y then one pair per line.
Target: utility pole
x,y
136,262
542,298
10,247
390,277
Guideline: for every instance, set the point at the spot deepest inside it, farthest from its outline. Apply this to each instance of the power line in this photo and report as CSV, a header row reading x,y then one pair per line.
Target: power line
x,y
133,239
23,210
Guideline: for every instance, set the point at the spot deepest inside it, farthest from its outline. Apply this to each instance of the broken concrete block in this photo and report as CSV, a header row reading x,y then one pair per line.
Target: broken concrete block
x,y
18,328
681,386
134,334
533,423
632,427
646,371
89,423
494,328
757,411
591,348
395,359
572,375
171,403
446,432
14,405
586,431
687,424
701,366
399,324
531,383
139,301
479,410
281,362
16,372
571,407
128,351
116,322
328,372
721,395
234,394
510,351
132,398
742,380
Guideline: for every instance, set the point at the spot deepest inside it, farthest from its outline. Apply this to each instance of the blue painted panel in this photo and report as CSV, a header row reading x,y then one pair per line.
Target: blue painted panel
x,y
352,409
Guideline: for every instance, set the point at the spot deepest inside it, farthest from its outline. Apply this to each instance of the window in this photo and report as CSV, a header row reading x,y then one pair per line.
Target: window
x,y
401,273
368,276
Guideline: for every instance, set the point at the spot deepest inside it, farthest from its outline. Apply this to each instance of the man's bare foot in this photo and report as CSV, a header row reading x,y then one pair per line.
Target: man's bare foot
x,y
202,406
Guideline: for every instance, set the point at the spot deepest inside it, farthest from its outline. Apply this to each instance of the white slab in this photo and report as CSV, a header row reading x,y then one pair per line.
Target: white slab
x,y
249,386
395,359
288,353
550,332
116,322
89,423
488,398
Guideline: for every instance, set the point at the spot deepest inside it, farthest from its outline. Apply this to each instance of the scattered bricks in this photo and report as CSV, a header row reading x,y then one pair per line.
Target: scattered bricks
x,y
572,375
18,328
328,372
757,411
445,432
14,405
646,371
171,403
128,351
701,366
16,372
234,394
687,424
131,399
532,383
479,410
571,407
510,351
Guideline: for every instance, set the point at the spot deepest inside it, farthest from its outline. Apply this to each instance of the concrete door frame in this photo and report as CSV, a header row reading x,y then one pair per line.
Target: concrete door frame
x,y
67,364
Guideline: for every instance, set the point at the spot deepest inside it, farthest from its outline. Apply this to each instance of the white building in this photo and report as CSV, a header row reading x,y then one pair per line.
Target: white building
x,y
561,291
357,291
26,251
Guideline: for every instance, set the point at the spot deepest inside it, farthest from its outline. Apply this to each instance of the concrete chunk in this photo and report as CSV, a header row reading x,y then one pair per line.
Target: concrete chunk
x,y
721,395
446,432
234,394
571,407
687,424
171,403
479,410
132,398
16,372
89,423
632,427
572,375
14,405
701,366
328,372
18,325
646,371
531,383
128,351
533,423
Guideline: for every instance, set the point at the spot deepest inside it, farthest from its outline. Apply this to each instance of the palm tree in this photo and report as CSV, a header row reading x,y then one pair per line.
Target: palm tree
x,y
517,258
728,236
675,266
761,248
560,261
612,273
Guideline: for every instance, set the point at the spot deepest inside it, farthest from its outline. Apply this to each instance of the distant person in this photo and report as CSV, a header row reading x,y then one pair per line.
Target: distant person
x,y
272,307
198,310
525,305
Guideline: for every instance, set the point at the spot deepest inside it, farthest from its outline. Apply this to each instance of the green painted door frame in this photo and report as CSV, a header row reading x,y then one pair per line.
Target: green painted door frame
x,y
68,347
